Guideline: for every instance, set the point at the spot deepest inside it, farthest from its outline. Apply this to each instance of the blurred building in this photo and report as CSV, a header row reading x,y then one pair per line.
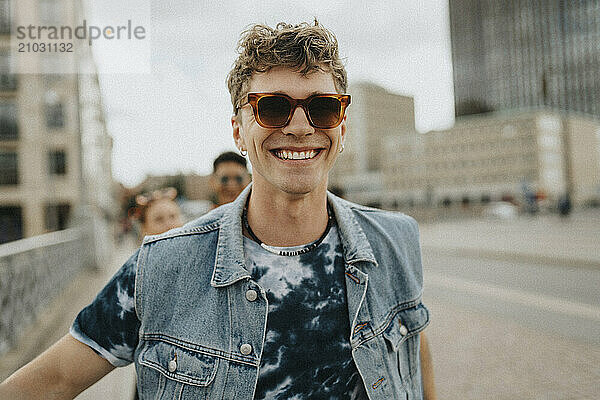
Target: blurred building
x,y
511,156
528,53
374,116
55,152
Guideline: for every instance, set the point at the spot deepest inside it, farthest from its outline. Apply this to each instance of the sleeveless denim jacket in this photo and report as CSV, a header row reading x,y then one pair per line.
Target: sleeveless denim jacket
x,y
203,319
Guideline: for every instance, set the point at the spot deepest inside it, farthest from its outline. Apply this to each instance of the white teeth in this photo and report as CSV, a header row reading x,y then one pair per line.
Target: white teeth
x,y
294,155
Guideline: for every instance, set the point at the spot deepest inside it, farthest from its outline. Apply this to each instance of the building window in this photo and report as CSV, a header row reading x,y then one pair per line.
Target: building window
x,y
57,162
9,172
57,216
11,224
5,17
8,81
8,121
55,116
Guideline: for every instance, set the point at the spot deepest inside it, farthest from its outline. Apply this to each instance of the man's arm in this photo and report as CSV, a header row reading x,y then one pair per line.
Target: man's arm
x,y
61,372
427,370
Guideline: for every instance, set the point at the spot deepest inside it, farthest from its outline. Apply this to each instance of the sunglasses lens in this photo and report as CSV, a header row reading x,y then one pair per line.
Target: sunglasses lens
x,y
273,111
325,111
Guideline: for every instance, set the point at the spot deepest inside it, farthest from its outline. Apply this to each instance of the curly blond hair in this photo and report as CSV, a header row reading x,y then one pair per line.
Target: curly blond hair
x,y
304,47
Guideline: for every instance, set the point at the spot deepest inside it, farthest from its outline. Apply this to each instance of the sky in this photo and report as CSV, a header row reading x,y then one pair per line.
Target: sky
x,y
166,102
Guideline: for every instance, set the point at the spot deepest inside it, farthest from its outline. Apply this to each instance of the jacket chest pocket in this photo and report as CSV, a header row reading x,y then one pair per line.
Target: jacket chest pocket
x,y
402,341
169,371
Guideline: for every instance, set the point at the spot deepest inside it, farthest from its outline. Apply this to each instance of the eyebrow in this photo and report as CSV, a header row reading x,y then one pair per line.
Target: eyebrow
x,y
310,94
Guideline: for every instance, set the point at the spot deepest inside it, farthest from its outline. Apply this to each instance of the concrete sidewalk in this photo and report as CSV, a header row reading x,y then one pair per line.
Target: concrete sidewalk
x,y
573,241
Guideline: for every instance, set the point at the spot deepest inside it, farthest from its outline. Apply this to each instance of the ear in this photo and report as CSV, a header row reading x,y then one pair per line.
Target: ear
x,y
237,131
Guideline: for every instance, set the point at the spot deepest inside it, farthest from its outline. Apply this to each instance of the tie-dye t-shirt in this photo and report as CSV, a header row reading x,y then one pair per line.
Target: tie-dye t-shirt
x,y
306,355
109,324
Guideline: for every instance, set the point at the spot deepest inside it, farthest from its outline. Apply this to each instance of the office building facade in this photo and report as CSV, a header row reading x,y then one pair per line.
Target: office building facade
x,y
515,54
55,152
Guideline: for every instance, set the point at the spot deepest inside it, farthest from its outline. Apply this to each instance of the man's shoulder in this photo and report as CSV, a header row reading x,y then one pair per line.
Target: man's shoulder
x,y
375,216
395,216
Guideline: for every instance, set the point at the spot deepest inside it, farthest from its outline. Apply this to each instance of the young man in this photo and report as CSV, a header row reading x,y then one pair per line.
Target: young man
x,y
230,176
287,292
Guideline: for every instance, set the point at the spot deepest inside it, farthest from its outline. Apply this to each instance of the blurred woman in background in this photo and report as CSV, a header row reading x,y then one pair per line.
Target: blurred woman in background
x,y
157,212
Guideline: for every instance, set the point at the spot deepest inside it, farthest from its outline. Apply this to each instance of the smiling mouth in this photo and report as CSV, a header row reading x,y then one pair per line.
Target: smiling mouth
x,y
283,154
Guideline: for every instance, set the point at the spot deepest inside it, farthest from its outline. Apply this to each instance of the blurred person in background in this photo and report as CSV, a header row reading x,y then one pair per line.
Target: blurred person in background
x,y
230,176
157,212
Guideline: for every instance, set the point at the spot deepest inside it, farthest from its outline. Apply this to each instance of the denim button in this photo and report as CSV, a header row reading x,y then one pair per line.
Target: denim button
x,y
251,295
403,330
172,365
245,349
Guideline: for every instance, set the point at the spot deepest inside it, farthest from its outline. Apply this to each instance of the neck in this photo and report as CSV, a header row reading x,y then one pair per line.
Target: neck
x,y
281,219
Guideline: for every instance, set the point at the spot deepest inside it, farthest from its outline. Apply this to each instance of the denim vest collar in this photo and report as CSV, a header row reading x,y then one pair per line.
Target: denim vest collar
x,y
229,261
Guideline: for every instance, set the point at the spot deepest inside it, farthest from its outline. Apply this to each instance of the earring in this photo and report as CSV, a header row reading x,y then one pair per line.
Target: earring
x,y
244,153
342,148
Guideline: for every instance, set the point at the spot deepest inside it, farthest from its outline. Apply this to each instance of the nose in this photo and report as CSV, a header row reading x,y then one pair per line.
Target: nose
x,y
299,125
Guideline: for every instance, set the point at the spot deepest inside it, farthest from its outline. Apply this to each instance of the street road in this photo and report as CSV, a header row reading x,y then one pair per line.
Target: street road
x,y
508,329
562,300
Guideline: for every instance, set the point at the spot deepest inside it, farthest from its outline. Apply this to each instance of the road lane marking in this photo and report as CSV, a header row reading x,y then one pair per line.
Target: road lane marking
x,y
548,303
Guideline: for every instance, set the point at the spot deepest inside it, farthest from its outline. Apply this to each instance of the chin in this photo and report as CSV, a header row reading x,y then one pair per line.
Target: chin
x,y
299,187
